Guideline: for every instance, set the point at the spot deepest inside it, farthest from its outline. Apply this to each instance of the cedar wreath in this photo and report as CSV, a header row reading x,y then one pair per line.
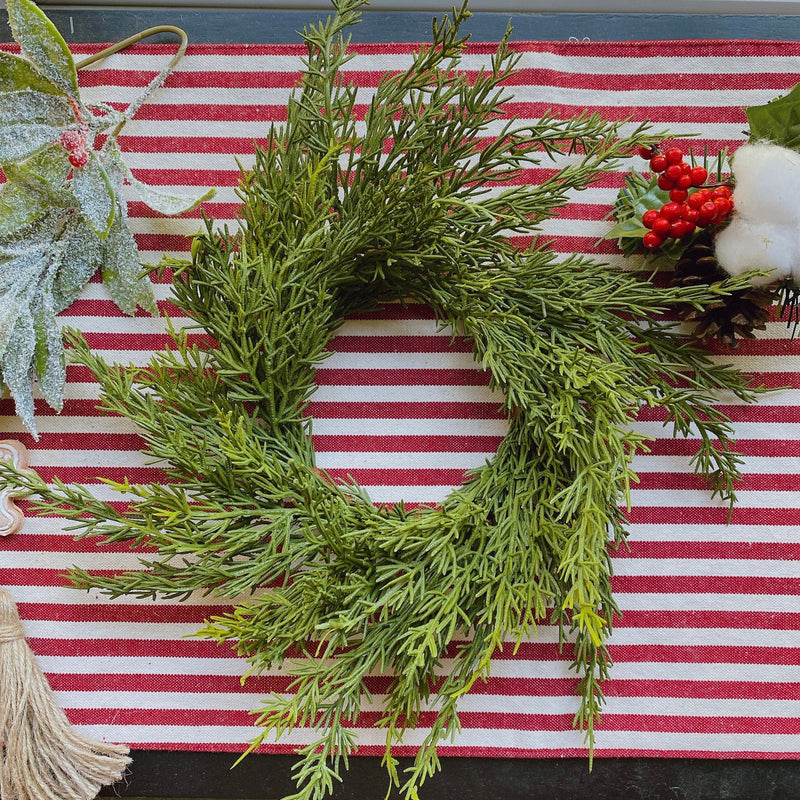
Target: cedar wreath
x,y
415,203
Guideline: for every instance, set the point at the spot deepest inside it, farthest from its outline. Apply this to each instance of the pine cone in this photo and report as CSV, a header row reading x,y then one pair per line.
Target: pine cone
x,y
729,318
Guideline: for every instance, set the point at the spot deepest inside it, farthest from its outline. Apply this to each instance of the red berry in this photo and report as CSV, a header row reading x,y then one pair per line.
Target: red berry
x,y
646,152
699,176
723,206
684,182
681,228
721,191
661,226
79,158
673,172
708,209
690,214
72,140
658,163
649,217
695,200
705,194
671,211
678,195
652,241
674,155
665,183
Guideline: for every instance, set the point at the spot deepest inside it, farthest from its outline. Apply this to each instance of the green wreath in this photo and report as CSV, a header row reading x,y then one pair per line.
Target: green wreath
x,y
337,220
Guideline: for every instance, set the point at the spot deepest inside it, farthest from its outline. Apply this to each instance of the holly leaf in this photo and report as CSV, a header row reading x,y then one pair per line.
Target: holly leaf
x,y
95,195
17,142
778,121
19,277
49,362
42,175
83,254
17,209
123,273
16,364
17,73
43,45
163,202
35,107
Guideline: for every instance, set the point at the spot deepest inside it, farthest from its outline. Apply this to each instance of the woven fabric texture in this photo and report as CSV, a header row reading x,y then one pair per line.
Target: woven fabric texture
x,y
707,656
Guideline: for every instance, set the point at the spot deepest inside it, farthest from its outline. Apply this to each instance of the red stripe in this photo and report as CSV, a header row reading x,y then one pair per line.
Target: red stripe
x,y
429,409
705,515
406,444
749,482
779,551
705,584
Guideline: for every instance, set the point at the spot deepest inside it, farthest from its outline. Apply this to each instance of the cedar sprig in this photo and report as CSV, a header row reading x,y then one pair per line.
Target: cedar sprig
x,y
338,217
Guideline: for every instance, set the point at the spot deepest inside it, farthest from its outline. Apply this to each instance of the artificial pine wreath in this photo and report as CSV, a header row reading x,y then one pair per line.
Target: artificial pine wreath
x,y
339,216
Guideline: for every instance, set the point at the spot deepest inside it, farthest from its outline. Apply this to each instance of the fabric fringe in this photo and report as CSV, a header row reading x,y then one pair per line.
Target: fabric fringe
x,y
43,756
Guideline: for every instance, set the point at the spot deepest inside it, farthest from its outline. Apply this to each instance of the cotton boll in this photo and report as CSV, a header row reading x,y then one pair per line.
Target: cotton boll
x,y
767,182
747,245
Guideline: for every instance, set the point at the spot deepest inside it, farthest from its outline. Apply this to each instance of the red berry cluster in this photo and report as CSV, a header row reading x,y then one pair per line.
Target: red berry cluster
x,y
75,142
692,205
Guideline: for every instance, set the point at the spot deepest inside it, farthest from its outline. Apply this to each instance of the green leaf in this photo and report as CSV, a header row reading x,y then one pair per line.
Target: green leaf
x,y
17,208
778,121
49,361
83,254
123,272
16,365
17,142
163,202
42,175
43,45
29,106
17,73
19,277
95,194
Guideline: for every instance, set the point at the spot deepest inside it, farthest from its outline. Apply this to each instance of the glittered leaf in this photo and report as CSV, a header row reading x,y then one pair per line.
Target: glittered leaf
x,y
19,277
43,44
35,107
163,202
94,194
778,121
123,273
49,361
83,254
16,365
17,73
20,141
17,209
42,175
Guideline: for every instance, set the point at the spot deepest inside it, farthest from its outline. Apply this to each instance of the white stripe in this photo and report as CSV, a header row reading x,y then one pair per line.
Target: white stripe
x,y
720,567
468,703
689,532
579,65
684,637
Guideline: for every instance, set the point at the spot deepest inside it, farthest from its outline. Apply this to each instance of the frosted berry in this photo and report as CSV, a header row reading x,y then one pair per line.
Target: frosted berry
x,y
79,158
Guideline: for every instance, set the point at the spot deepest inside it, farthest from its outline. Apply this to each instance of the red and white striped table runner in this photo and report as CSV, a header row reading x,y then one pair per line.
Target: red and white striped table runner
x,y
708,653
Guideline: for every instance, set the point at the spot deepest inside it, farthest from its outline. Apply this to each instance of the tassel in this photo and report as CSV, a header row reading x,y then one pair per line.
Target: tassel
x,y
43,756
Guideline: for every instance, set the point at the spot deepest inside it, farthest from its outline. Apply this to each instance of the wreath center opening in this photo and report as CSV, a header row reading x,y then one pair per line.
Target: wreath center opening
x,y
403,408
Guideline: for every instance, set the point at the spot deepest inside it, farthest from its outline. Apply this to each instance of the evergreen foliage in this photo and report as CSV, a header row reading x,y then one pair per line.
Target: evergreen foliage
x,y
339,216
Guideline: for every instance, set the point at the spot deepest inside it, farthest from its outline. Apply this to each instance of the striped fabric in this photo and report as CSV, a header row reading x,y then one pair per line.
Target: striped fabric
x,y
708,653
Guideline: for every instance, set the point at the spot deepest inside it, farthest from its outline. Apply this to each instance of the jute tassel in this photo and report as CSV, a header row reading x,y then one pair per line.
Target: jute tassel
x,y
44,757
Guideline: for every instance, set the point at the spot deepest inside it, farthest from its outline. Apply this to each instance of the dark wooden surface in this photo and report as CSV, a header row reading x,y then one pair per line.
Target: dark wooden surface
x,y
161,774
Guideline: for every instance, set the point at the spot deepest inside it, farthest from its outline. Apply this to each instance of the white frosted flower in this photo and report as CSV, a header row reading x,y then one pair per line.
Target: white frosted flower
x,y
764,232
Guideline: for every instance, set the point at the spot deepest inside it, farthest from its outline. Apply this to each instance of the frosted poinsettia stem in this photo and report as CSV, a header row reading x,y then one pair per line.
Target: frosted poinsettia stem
x,y
157,81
